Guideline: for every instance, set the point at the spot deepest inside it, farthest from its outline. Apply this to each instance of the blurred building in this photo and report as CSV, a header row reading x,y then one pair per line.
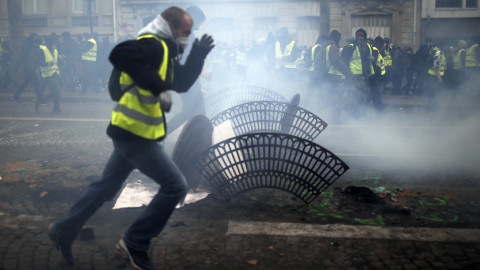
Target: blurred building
x,y
450,20
47,16
405,22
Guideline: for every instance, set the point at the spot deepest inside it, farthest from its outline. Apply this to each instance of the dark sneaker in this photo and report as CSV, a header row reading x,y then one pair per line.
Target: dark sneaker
x,y
14,99
139,259
63,245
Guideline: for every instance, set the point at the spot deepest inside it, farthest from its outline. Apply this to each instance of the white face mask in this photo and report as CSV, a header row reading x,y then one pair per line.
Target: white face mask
x,y
182,42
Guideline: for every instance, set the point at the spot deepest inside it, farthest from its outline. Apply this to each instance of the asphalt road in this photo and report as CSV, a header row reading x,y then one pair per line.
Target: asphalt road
x,y
426,162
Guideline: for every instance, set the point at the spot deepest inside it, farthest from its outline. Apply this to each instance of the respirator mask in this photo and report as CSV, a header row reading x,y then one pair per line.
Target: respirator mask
x,y
182,42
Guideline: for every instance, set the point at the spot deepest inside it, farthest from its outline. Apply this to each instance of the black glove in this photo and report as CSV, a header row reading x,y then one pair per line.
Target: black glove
x,y
205,43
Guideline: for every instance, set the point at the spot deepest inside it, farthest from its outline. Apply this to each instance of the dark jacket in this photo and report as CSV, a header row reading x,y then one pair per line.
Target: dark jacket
x,y
141,59
31,56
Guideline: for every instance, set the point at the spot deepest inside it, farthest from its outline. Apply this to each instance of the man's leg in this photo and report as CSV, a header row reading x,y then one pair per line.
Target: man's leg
x,y
151,159
64,232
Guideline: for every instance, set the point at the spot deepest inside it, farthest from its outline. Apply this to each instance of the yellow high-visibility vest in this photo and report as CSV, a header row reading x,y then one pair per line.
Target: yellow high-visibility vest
x,y
138,111
457,61
91,54
286,52
331,69
380,61
312,56
443,65
388,56
470,58
240,58
48,70
356,62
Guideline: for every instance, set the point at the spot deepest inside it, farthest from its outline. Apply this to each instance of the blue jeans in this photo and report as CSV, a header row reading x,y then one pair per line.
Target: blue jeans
x,y
150,159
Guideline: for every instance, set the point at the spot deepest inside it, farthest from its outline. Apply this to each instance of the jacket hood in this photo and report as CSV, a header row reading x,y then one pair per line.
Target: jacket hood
x,y
158,27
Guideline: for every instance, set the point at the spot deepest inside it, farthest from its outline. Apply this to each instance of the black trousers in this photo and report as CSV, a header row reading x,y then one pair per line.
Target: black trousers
x,y
32,76
53,84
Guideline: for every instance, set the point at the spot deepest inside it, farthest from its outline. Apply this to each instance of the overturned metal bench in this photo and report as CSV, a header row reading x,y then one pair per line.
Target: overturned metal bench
x,y
271,116
270,160
229,97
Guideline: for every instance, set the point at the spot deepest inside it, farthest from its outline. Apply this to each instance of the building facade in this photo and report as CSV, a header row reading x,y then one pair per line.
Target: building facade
x,y
47,16
249,21
405,22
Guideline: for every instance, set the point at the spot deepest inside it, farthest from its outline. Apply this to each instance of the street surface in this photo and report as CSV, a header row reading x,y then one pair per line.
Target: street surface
x,y
423,169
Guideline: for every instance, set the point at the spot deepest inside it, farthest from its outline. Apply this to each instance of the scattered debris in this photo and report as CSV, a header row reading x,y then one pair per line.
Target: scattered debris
x,y
270,248
36,125
43,194
252,262
363,194
396,209
335,244
394,221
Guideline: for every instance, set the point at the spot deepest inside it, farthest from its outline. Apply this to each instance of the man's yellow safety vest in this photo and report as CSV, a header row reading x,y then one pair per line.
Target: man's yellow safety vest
x,y
380,61
457,61
279,55
331,69
388,56
470,58
240,58
138,111
356,62
48,70
443,65
312,56
91,54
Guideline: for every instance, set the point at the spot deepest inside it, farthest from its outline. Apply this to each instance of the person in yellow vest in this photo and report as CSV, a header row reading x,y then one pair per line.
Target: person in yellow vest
x,y
472,67
149,68
336,72
359,57
241,61
49,70
434,81
389,52
316,76
286,55
89,77
376,81
459,56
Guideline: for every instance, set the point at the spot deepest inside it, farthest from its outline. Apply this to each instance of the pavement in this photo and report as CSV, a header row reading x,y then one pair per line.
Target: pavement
x,y
424,214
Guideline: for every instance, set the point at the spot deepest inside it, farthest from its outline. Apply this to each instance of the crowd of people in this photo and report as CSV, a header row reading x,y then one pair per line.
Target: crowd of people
x,y
364,67
53,64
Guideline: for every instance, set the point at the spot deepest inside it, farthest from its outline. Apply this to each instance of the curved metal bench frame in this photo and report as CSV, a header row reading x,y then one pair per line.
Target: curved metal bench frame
x,y
271,116
271,160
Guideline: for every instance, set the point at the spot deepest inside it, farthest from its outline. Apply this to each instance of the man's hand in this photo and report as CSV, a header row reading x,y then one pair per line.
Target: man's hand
x,y
205,43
